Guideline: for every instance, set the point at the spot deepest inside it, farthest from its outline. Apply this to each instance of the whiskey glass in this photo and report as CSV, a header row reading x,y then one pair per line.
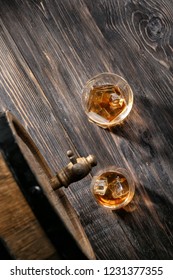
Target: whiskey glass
x,y
113,187
107,99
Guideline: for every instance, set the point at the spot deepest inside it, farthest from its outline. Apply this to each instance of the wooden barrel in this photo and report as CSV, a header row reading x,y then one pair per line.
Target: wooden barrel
x,y
35,221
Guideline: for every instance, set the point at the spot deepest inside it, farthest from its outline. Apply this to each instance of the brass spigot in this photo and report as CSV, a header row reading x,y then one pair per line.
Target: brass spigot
x,y
77,169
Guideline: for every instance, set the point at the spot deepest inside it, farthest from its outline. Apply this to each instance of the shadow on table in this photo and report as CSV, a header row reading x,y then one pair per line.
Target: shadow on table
x,y
155,127
149,225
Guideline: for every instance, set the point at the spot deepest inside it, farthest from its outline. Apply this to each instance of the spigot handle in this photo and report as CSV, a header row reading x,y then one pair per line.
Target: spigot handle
x,y
72,157
77,169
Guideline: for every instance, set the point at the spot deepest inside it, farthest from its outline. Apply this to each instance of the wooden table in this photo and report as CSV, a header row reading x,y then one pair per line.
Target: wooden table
x,y
49,49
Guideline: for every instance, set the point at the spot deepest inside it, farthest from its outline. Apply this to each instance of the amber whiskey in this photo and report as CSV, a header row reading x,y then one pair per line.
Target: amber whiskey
x,y
111,189
105,102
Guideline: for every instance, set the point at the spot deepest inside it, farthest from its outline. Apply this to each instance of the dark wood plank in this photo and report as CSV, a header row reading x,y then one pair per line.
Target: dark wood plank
x,y
49,50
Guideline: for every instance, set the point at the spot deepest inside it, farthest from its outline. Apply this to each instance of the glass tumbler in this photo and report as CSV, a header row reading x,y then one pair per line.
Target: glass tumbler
x,y
113,187
107,99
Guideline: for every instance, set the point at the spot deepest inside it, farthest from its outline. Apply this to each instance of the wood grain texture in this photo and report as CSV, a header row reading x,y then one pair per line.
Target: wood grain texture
x,y
19,228
48,51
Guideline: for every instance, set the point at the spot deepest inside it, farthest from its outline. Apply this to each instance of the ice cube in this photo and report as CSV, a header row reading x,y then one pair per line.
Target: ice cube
x,y
104,113
116,101
101,186
116,188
